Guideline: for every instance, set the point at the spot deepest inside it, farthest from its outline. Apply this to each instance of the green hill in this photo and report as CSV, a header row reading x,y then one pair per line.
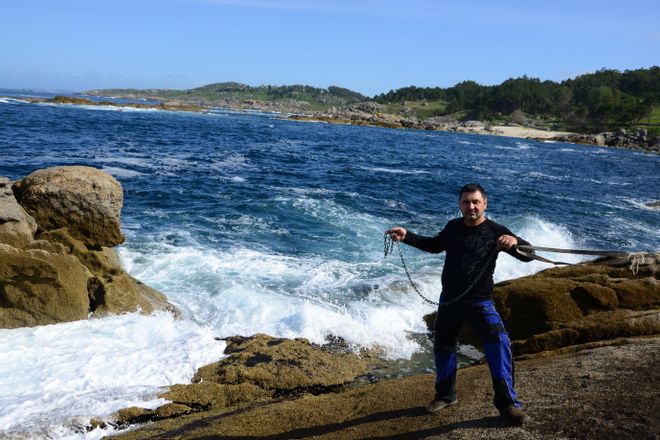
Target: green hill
x,y
228,93
596,101
603,100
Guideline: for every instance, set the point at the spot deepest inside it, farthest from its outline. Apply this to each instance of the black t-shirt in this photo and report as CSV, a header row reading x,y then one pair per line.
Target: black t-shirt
x,y
469,249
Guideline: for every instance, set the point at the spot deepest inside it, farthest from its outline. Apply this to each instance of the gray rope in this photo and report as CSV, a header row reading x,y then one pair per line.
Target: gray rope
x,y
635,258
389,246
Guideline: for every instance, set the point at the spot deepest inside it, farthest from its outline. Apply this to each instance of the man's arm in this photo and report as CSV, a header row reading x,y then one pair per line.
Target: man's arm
x,y
428,244
508,241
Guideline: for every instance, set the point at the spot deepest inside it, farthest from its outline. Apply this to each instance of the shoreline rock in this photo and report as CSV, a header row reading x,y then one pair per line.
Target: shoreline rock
x,y
17,227
557,313
634,140
371,114
258,369
57,262
602,391
577,304
83,200
168,105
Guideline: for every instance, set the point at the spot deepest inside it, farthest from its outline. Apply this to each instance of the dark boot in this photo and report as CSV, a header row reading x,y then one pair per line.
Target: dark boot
x,y
438,404
513,415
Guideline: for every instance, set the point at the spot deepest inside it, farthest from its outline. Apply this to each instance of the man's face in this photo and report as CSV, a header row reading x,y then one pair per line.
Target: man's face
x,y
472,207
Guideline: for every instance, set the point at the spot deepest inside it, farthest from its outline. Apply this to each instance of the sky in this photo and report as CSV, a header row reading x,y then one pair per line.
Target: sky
x,y
370,46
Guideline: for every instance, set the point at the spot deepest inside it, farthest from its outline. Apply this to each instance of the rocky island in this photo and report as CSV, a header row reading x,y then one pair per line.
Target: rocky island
x,y
586,340
170,105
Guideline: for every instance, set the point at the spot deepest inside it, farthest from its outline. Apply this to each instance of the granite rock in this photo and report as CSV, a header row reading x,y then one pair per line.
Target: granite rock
x,y
17,227
85,200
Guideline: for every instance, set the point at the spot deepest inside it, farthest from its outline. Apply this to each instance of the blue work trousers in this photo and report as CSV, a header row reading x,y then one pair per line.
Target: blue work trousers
x,y
487,322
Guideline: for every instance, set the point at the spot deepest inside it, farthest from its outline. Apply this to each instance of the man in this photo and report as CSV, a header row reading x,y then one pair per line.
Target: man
x,y
471,244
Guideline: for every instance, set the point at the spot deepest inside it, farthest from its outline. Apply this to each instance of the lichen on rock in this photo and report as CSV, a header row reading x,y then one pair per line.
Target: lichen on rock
x,y
282,366
258,369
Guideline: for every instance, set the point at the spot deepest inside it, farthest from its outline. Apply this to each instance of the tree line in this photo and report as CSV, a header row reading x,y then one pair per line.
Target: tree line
x,y
296,91
605,97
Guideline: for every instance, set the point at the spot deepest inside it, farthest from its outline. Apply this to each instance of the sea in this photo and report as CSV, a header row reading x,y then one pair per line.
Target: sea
x,y
251,223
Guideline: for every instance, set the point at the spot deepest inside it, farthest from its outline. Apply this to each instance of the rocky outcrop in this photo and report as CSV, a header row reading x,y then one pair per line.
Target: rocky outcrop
x,y
569,307
622,138
258,368
372,114
169,105
577,304
606,391
40,287
55,265
85,200
17,227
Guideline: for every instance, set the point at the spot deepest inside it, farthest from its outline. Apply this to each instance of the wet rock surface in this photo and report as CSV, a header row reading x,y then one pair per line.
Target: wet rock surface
x,y
55,265
597,391
579,374
282,366
257,369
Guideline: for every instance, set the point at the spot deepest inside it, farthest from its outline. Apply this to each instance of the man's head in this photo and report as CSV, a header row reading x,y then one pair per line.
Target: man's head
x,y
472,202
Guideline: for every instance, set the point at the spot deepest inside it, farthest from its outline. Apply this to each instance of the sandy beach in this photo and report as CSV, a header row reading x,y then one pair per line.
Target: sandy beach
x,y
525,132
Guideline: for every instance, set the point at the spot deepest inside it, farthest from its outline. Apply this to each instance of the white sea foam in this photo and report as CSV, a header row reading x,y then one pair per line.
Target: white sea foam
x,y
523,146
53,379
245,291
127,160
392,170
121,172
519,146
539,233
11,101
644,204
231,162
56,377
540,175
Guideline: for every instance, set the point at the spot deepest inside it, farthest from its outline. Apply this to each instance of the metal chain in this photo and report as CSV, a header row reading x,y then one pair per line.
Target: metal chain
x,y
389,246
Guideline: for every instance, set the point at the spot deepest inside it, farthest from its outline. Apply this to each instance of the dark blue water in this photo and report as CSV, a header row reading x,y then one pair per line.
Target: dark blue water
x,y
254,223
198,166
250,223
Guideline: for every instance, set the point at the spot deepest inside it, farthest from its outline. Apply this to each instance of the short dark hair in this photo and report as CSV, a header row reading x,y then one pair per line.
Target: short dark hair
x,y
470,188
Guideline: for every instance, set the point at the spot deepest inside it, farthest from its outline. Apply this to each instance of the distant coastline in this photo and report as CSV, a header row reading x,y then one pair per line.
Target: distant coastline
x,y
62,99
364,113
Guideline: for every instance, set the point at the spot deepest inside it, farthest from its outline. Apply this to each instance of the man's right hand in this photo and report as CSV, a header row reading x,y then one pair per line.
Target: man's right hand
x,y
397,233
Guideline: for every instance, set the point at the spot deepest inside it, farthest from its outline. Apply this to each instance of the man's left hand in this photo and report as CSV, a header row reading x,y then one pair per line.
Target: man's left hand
x,y
506,242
